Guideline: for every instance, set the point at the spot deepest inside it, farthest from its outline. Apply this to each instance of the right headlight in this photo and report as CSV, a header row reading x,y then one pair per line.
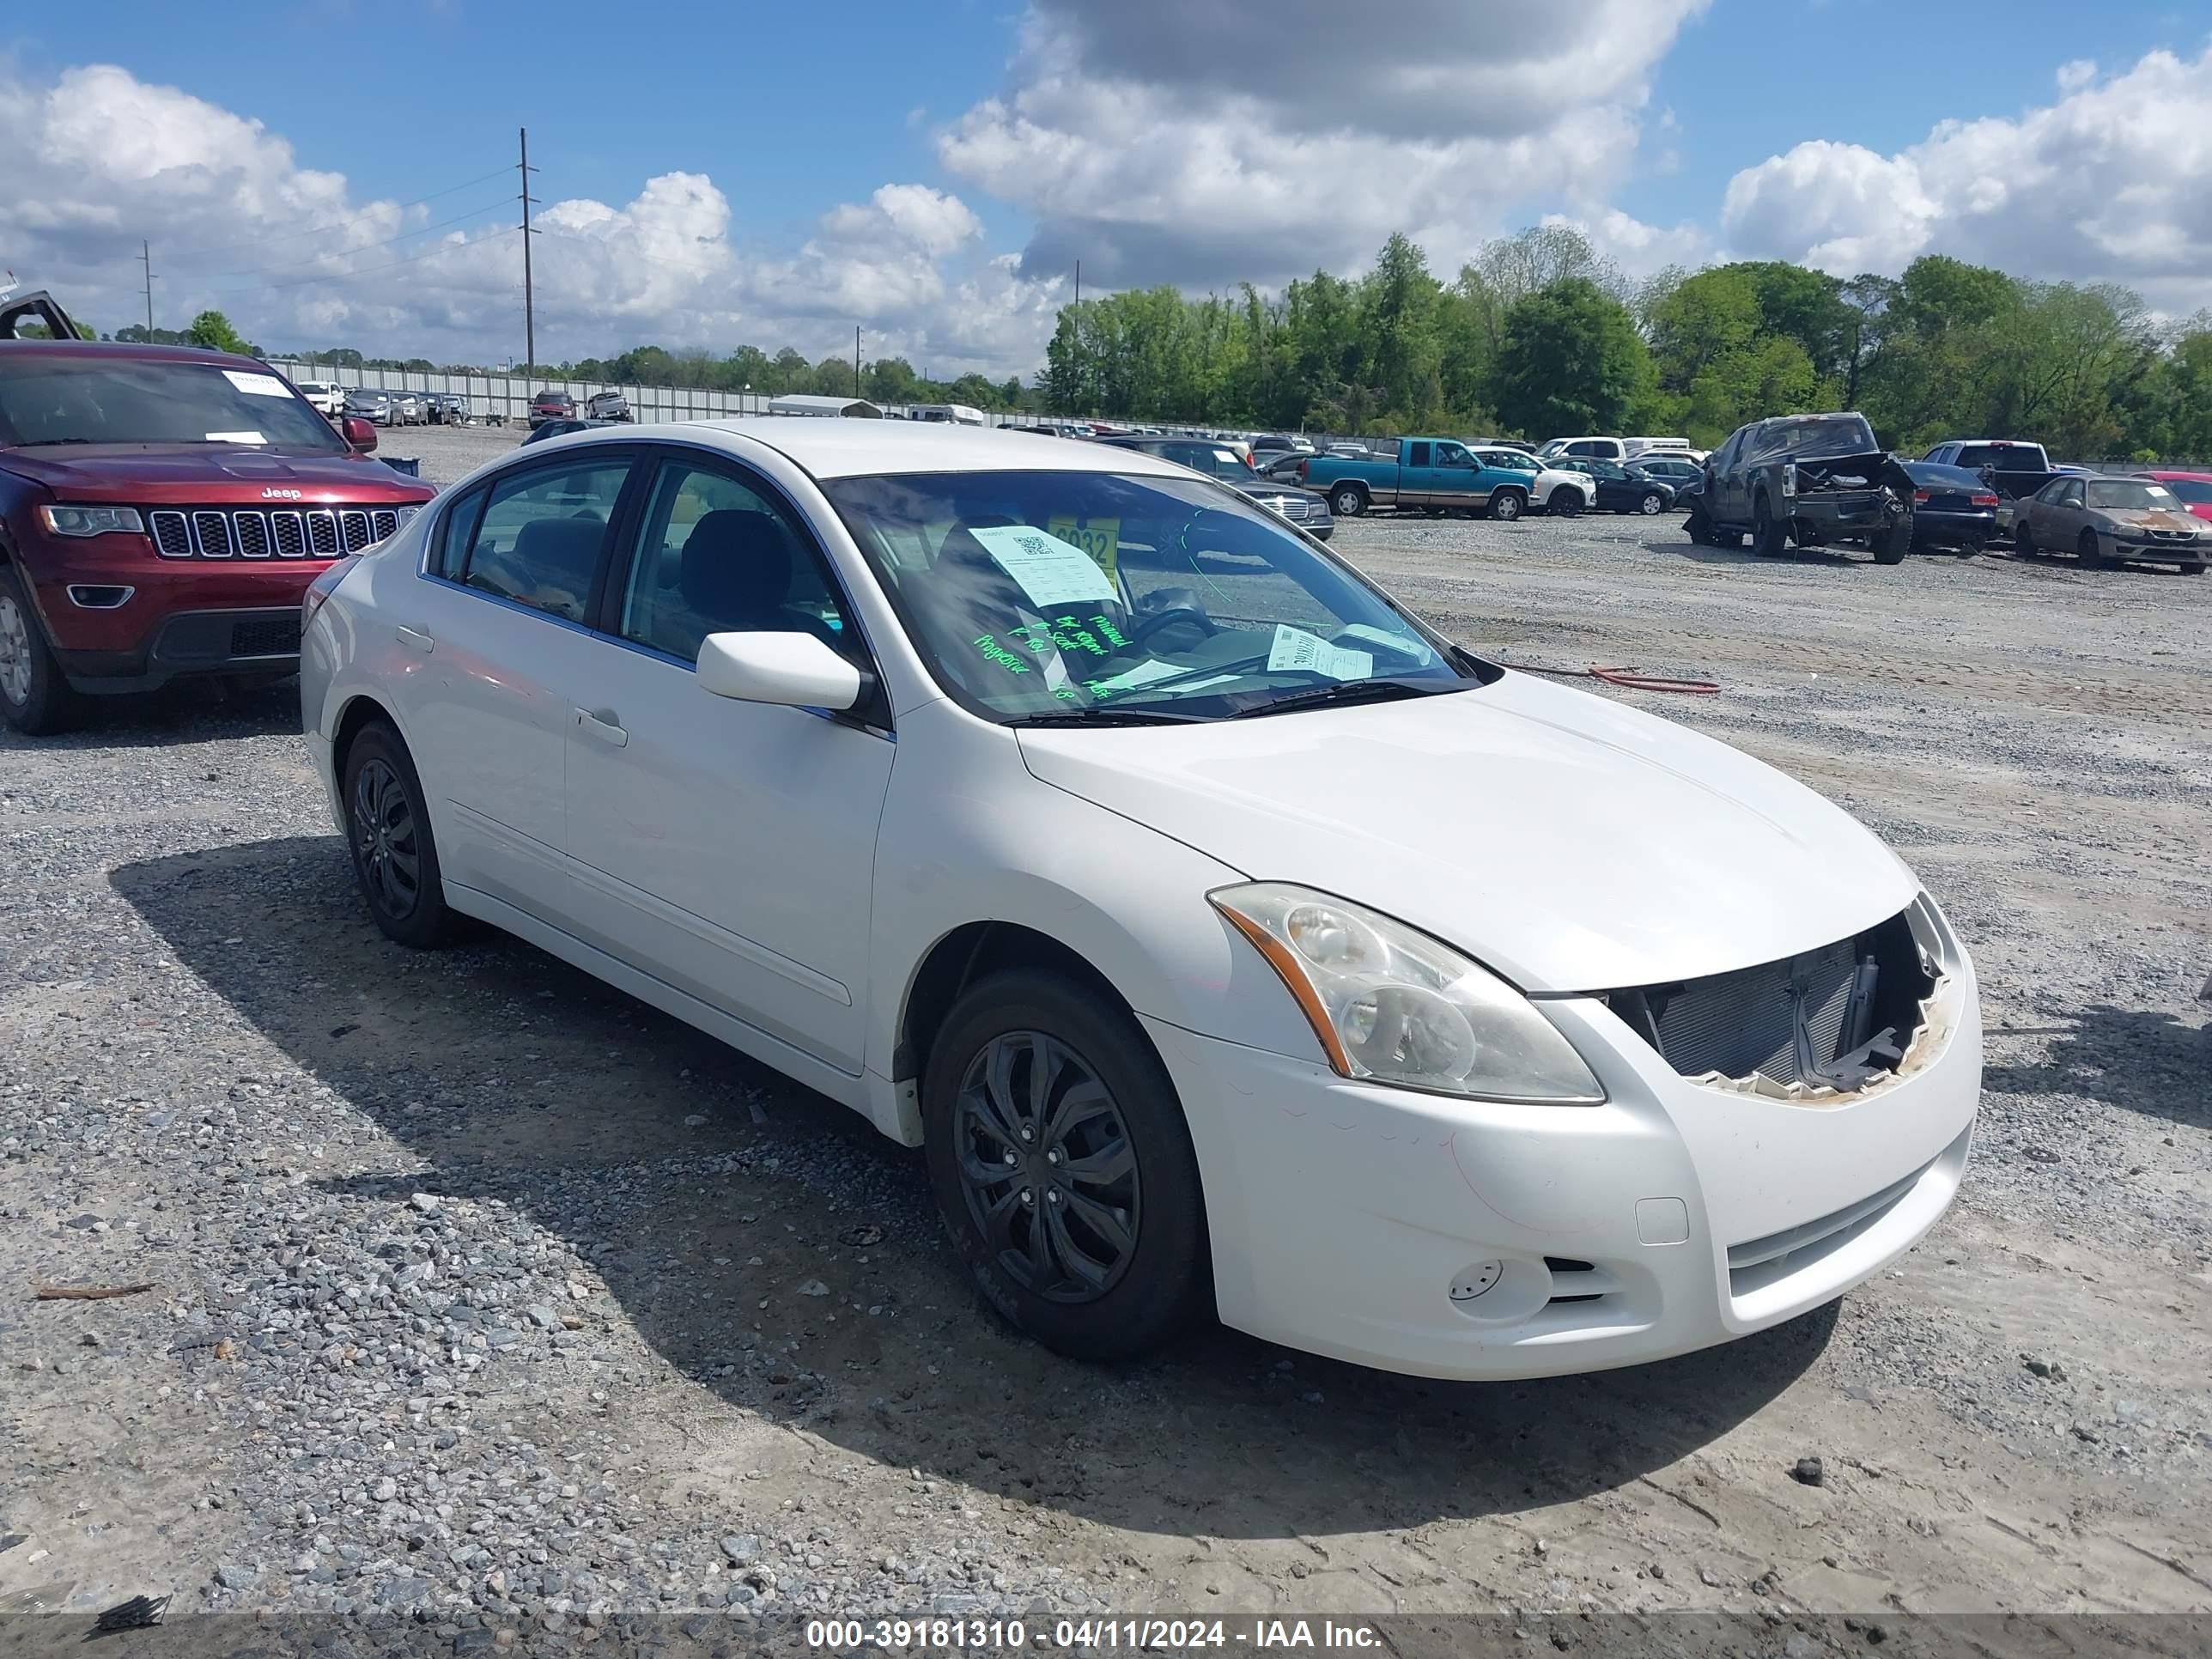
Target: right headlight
x,y
1393,1005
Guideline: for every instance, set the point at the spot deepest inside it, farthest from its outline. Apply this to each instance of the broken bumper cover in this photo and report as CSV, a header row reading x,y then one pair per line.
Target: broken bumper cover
x,y
2153,549
1462,1239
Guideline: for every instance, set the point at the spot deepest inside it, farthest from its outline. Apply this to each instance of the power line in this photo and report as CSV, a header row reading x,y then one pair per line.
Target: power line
x,y
374,208
367,247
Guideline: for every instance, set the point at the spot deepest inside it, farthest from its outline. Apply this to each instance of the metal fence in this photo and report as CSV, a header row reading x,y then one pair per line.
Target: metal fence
x,y
505,398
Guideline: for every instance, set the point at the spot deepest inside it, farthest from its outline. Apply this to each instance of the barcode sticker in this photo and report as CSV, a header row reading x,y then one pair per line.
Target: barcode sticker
x,y
1051,572
1295,648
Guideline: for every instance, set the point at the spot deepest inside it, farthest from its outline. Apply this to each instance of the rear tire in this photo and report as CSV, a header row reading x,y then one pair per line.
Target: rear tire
x,y
2023,544
1768,538
1107,1256
1507,505
395,856
1893,542
35,696
1347,501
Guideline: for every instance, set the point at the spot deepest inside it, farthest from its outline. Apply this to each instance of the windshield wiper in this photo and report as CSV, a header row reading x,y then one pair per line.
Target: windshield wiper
x,y
1376,690
40,443
1103,716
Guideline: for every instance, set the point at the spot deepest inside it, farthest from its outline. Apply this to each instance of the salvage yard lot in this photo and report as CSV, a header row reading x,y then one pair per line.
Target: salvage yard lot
x,y
481,1290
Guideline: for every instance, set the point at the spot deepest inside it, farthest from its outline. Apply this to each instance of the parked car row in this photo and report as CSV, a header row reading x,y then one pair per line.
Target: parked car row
x,y
1809,481
1497,480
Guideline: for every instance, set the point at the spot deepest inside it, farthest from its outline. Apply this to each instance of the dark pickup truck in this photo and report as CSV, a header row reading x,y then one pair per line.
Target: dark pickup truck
x,y
1818,480
2014,468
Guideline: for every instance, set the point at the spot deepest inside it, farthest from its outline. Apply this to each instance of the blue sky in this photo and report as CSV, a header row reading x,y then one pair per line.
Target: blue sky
x,y
779,172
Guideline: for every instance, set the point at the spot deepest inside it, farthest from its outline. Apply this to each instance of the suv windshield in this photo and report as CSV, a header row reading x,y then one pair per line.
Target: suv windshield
x,y
96,398
1092,595
2130,495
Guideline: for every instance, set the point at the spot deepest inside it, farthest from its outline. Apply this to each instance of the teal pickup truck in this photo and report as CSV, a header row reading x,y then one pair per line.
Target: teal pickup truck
x,y
1427,472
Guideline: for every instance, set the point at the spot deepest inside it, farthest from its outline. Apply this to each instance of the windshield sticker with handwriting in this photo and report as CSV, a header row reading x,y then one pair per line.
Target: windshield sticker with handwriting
x,y
1294,649
1100,537
256,385
994,652
1052,572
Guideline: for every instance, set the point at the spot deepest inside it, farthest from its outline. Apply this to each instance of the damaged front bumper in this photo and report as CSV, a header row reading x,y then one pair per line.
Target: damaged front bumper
x,y
1469,1239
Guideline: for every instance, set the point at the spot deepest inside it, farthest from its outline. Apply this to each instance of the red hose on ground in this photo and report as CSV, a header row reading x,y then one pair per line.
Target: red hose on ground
x,y
1622,677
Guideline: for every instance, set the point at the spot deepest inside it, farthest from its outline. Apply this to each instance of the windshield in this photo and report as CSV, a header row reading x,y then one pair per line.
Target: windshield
x,y
1088,594
2197,492
99,399
2005,458
2130,495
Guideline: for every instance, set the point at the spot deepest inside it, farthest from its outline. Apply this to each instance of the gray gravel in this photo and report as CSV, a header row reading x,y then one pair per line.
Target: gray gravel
x,y
488,1300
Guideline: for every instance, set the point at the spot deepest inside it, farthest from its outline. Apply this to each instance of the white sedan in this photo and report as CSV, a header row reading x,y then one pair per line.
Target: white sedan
x,y
1226,936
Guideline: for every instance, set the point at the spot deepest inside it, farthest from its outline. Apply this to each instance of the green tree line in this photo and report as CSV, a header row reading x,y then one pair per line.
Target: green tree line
x,y
1538,336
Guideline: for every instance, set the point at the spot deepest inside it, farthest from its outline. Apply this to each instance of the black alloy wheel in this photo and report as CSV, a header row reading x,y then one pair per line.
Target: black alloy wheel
x,y
1046,1168
395,855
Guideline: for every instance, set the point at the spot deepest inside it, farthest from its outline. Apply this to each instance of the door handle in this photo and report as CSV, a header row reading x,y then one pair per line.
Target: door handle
x,y
603,724
415,640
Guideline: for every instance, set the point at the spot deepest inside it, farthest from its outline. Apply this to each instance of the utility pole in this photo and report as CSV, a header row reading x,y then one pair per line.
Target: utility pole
x,y
1078,288
146,260
529,296
856,360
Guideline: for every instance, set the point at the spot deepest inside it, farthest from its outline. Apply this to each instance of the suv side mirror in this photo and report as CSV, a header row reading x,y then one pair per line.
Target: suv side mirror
x,y
360,433
795,670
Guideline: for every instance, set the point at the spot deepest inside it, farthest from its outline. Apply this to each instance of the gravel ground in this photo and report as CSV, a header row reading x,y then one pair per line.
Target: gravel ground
x,y
488,1300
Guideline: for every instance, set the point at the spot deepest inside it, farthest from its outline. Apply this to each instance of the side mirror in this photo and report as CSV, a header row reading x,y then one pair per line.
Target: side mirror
x,y
359,434
795,670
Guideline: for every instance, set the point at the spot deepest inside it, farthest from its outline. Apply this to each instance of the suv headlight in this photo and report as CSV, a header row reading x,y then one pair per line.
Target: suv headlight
x,y
1395,1006
91,520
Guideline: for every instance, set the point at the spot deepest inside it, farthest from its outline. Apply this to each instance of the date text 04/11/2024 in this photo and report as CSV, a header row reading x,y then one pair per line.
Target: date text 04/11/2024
x,y
1138,1635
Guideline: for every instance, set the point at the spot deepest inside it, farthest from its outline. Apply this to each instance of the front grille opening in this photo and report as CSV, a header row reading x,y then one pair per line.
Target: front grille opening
x,y
265,636
1836,1017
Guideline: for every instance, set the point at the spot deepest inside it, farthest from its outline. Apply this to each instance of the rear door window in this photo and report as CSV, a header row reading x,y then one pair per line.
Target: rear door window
x,y
543,533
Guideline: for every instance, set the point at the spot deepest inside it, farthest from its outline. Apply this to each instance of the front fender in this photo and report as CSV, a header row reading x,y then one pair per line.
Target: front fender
x,y
984,839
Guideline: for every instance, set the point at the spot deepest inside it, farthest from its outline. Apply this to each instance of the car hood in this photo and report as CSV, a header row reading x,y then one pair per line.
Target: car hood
x,y
1569,842
2149,517
193,473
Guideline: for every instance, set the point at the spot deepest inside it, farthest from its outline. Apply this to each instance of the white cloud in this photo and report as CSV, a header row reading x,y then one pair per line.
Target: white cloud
x,y
1164,141
97,159
2111,182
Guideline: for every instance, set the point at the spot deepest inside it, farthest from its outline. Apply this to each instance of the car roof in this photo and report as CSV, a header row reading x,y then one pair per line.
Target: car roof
x,y
856,448
133,352
2182,472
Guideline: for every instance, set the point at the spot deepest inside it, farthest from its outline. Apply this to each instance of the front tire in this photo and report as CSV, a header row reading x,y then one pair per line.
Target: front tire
x,y
2086,549
1648,504
35,697
1565,503
1063,1167
1507,505
395,856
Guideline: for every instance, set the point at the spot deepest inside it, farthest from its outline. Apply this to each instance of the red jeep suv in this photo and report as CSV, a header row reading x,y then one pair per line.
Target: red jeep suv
x,y
162,511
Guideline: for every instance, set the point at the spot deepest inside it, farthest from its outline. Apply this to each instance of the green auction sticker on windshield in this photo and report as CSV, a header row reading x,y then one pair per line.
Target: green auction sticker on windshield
x,y
1100,537
1050,571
